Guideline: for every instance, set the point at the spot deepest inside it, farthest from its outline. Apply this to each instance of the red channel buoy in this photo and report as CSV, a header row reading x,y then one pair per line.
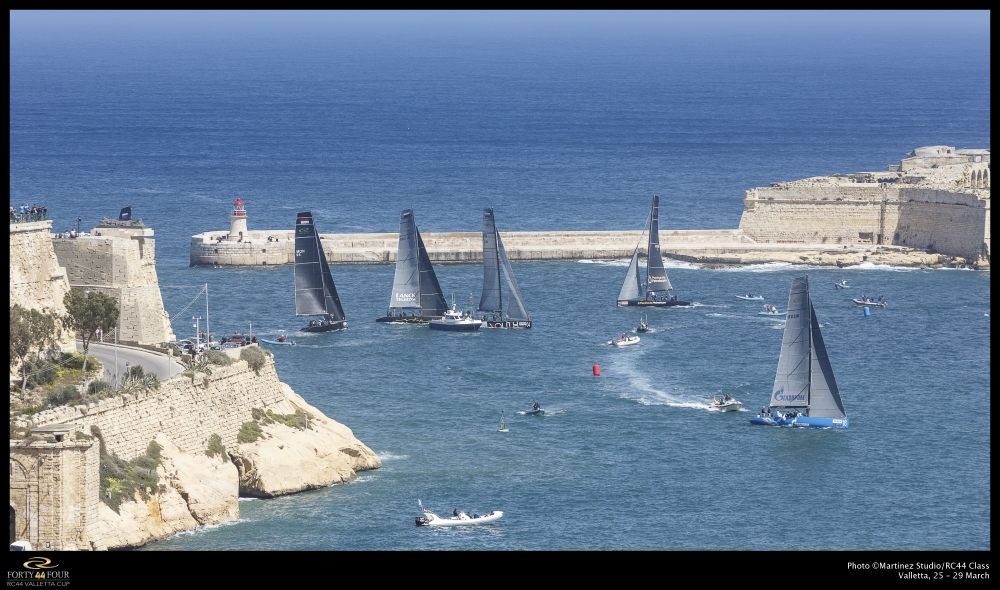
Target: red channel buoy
x,y
597,370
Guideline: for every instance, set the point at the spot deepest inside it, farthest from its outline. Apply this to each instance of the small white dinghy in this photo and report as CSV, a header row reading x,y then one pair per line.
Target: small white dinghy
x,y
726,404
463,519
627,341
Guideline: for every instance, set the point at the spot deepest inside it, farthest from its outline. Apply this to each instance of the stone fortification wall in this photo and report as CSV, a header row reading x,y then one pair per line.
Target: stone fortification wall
x,y
36,279
125,268
188,413
953,223
451,247
53,492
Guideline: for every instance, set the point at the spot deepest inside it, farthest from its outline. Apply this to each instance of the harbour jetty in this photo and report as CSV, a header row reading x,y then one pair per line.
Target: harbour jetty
x,y
933,208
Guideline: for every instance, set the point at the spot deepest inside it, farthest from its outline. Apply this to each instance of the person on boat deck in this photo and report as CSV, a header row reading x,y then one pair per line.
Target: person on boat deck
x,y
281,338
623,336
536,406
455,512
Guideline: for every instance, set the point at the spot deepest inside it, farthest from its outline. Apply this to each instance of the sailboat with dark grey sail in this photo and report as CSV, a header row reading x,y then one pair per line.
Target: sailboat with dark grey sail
x,y
494,260
804,385
416,295
656,276
315,293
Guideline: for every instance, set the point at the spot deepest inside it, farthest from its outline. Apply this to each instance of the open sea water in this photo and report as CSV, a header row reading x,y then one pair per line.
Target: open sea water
x,y
562,121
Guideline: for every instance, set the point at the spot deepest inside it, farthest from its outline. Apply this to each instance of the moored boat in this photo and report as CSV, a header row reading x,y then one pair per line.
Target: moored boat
x,y
804,384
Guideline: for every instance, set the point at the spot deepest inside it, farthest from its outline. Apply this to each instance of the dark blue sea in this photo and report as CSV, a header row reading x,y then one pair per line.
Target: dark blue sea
x,y
561,121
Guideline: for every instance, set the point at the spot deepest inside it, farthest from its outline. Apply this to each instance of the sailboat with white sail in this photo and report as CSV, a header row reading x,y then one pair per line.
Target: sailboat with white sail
x,y
804,385
656,276
494,259
315,293
416,295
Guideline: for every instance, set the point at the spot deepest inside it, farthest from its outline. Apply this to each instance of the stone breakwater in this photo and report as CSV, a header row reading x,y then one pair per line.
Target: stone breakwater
x,y
195,489
723,247
936,201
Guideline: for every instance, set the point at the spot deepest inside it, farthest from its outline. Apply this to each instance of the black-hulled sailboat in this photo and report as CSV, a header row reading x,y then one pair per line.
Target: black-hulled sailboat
x,y
804,379
656,275
416,295
315,293
495,259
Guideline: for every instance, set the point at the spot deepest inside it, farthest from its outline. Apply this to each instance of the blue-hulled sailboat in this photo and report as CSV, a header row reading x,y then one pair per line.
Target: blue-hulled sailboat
x,y
804,386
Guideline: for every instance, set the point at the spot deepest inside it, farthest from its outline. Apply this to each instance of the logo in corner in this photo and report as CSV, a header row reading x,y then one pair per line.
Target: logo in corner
x,y
38,563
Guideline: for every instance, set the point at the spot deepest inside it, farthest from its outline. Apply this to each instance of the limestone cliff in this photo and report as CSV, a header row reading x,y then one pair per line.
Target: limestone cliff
x,y
195,488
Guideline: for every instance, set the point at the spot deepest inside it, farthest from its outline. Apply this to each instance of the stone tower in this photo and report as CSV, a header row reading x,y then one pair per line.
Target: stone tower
x,y
238,223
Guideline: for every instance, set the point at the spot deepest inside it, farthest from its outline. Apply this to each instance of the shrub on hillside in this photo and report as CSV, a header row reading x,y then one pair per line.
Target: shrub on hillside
x,y
64,395
249,432
215,446
217,357
254,358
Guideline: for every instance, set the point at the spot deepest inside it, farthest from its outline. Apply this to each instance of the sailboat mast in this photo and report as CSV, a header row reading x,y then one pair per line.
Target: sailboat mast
x,y
811,351
496,239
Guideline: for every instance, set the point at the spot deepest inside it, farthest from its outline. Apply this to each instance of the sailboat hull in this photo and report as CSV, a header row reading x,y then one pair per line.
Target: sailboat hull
x,y
507,324
326,327
644,303
408,320
801,422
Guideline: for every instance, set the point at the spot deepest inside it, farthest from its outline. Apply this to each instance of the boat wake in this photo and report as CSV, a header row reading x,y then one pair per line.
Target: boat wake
x,y
889,267
384,456
767,267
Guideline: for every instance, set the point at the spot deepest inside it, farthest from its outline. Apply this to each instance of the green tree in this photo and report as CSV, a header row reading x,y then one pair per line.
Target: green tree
x,y
86,312
30,330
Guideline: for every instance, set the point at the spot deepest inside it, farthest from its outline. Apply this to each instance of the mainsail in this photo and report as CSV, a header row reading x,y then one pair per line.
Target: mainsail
x,y
656,276
406,283
492,297
495,258
315,293
791,381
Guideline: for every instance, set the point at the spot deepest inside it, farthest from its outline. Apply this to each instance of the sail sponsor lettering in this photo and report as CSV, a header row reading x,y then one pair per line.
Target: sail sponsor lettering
x,y
655,278
780,396
299,253
303,230
406,297
791,316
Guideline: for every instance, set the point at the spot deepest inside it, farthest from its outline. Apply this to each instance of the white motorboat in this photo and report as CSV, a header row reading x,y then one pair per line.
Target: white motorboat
x,y
726,404
626,341
460,519
456,321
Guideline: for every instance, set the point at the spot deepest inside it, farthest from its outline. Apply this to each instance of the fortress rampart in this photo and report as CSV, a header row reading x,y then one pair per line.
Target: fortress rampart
x,y
120,263
187,412
36,279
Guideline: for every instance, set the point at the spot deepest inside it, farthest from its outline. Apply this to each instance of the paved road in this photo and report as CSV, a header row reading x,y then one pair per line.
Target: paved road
x,y
150,361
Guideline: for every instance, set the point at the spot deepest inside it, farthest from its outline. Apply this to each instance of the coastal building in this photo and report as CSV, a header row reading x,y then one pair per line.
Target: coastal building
x,y
930,209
